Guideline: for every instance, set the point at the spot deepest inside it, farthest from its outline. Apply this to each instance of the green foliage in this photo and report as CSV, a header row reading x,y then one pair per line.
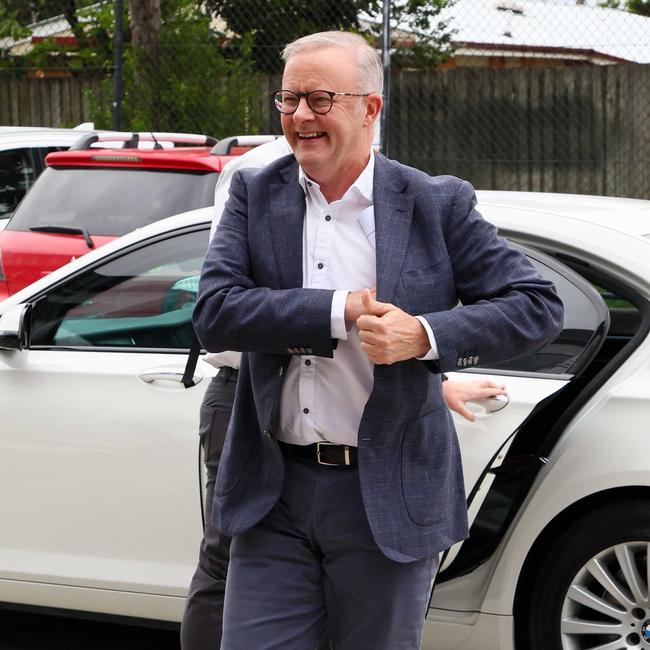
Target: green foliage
x,y
271,24
641,7
187,84
420,38
10,25
93,29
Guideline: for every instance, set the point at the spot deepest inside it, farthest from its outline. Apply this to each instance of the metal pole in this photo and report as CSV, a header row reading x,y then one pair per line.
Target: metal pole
x,y
385,56
117,68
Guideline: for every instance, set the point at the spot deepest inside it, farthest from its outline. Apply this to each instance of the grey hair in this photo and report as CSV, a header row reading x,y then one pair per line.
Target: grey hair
x,y
370,68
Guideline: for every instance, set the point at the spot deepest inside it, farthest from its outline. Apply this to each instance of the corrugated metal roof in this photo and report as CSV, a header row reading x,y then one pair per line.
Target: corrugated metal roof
x,y
538,23
545,25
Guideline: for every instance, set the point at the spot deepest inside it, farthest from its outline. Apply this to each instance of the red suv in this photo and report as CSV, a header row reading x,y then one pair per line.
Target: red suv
x,y
104,186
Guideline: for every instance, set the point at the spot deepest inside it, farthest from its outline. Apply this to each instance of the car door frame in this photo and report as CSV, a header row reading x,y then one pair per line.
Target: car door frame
x,y
466,555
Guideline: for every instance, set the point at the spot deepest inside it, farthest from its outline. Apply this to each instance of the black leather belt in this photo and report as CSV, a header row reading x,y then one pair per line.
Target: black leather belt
x,y
323,453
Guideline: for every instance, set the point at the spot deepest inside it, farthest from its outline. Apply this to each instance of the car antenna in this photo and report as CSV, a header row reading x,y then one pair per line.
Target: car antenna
x,y
157,144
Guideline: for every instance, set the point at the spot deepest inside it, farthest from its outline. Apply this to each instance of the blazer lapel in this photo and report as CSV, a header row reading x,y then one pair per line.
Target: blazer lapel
x,y
287,213
393,216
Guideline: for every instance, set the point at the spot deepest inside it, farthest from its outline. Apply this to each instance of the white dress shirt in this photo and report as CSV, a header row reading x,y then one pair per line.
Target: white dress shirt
x,y
321,398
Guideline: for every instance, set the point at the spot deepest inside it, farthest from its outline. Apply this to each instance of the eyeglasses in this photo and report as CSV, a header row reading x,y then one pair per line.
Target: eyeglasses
x,y
319,101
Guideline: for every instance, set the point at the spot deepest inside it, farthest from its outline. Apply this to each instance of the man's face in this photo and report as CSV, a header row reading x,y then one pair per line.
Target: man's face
x,y
336,144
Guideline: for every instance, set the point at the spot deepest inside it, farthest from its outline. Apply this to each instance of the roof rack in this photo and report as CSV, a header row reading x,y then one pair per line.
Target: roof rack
x,y
224,147
131,140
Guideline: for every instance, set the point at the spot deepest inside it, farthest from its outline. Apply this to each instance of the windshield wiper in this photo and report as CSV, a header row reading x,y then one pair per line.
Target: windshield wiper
x,y
66,230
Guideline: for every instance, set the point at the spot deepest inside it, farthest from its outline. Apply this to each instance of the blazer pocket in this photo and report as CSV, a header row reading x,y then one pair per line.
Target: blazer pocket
x,y
428,466
426,289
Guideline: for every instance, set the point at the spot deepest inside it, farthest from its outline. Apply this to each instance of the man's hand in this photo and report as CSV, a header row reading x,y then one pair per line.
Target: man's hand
x,y
389,334
354,305
458,393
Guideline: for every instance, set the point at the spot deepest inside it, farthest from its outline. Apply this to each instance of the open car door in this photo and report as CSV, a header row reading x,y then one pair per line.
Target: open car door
x,y
531,380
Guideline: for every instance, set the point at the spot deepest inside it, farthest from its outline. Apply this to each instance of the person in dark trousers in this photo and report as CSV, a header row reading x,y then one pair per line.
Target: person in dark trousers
x,y
339,274
202,621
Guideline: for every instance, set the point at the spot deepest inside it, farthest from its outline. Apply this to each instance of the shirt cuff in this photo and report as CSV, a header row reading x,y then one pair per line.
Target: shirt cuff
x,y
337,316
432,354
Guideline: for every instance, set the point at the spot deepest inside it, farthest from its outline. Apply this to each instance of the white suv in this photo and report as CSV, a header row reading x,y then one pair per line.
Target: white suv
x,y
22,154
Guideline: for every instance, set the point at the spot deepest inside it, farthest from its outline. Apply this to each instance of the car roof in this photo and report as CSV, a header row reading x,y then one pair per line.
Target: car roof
x,y
12,137
631,216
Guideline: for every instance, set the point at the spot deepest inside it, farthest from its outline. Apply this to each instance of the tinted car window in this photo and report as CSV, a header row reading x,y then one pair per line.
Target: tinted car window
x,y
16,175
111,201
586,321
143,299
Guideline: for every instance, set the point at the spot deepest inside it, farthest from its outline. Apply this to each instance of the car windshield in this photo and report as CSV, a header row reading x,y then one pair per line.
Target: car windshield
x,y
110,202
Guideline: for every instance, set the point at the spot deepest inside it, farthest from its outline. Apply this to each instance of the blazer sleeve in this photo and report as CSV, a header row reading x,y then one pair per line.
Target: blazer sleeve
x,y
234,312
506,308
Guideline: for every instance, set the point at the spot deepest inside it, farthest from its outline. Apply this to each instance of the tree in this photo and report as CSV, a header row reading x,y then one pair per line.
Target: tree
x,y
421,38
192,86
270,24
641,7
146,21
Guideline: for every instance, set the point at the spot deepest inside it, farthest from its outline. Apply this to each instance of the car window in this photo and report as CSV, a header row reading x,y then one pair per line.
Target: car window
x,y
586,322
111,202
143,299
16,175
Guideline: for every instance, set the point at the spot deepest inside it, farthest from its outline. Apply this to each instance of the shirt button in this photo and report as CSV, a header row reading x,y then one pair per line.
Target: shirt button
x,y
327,217
320,265
305,411
308,362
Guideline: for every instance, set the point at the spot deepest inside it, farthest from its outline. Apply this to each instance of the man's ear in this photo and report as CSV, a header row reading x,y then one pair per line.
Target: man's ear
x,y
374,103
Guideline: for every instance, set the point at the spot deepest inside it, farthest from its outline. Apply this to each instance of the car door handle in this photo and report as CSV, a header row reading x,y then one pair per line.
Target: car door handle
x,y
494,403
166,374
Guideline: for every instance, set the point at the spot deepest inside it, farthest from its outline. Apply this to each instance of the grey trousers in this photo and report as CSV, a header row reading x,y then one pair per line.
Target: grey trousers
x,y
312,565
203,616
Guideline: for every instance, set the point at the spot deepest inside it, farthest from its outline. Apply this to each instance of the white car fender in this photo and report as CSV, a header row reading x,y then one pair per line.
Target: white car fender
x,y
610,435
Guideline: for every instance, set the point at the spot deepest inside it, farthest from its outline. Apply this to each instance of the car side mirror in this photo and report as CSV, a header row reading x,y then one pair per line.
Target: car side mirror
x,y
14,327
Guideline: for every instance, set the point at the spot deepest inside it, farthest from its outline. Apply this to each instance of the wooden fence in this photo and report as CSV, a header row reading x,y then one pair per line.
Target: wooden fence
x,y
57,102
582,129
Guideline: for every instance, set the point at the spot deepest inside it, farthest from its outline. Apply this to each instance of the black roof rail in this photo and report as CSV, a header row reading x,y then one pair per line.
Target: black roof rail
x,y
225,146
131,140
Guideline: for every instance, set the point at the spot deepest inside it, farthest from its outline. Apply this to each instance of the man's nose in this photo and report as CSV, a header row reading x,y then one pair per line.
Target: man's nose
x,y
303,112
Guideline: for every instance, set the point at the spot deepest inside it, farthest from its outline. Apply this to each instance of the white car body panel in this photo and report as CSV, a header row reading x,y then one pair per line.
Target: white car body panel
x,y
481,439
100,535
566,479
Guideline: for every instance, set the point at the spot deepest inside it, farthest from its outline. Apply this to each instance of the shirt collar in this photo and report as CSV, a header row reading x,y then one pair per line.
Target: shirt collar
x,y
362,187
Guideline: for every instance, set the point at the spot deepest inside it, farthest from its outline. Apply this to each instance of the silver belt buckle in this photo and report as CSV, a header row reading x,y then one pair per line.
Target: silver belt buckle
x,y
346,453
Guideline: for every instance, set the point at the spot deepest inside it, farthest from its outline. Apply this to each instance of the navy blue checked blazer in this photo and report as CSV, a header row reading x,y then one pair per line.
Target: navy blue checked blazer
x,y
433,250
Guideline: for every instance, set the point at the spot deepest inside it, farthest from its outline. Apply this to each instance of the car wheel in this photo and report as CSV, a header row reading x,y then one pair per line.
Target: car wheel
x,y
592,589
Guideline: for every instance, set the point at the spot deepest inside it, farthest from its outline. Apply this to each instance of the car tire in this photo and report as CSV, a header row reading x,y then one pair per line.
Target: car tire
x,y
592,588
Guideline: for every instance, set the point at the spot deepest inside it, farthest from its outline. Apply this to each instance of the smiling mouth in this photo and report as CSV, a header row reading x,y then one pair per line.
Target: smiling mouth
x,y
313,135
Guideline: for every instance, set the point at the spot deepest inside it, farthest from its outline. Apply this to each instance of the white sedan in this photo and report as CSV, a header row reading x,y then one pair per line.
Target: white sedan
x,y
99,466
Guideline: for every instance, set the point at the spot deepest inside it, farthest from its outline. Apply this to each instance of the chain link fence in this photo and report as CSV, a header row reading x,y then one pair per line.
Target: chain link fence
x,y
541,95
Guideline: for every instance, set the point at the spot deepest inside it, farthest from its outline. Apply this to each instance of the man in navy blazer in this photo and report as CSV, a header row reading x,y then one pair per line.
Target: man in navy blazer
x,y
350,282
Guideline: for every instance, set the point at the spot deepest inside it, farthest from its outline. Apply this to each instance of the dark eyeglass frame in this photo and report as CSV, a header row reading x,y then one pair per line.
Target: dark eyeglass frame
x,y
331,94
